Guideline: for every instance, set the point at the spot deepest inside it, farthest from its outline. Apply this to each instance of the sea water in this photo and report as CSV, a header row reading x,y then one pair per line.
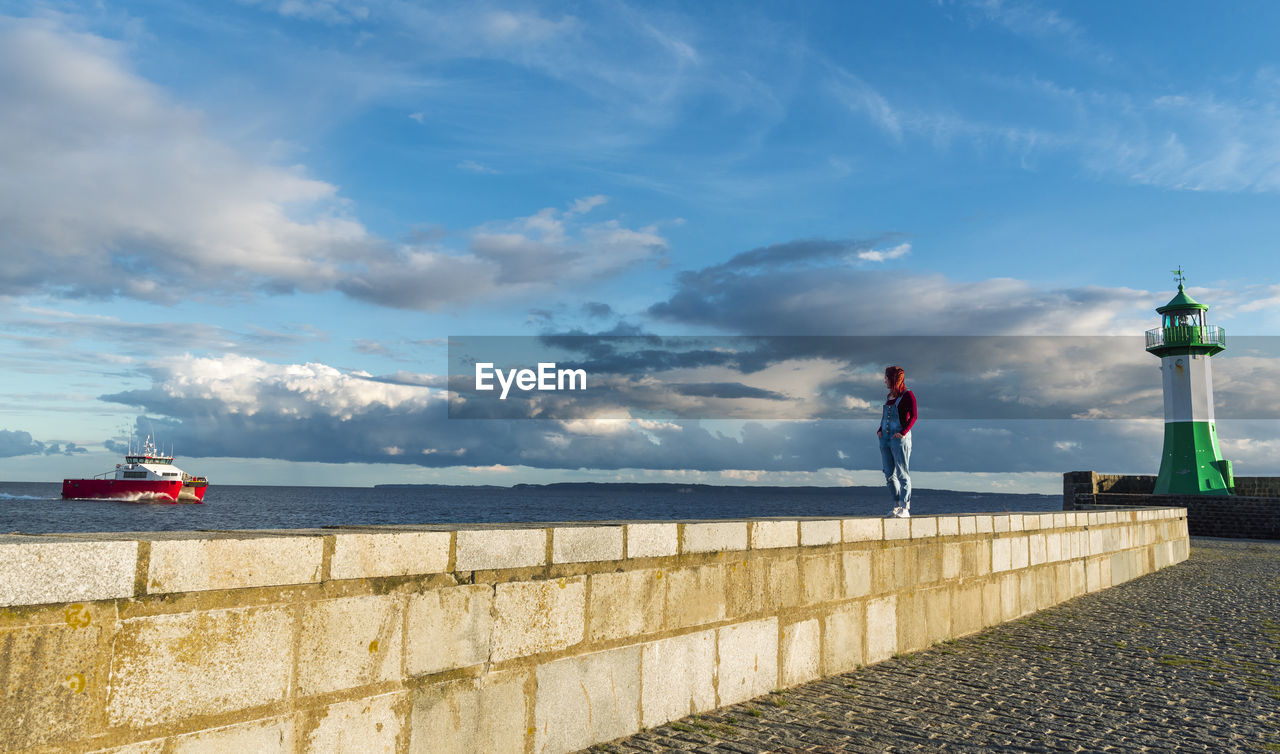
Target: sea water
x,y
31,507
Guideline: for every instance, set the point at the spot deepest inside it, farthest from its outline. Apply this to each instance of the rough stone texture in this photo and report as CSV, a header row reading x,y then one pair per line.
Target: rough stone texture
x,y
491,549
897,528
842,638
194,563
695,596
264,736
718,536
359,555
61,660
538,616
35,571
801,647
819,533
924,526
349,642
582,544
169,667
1186,659
748,662
652,540
678,677
585,699
364,725
882,628
449,628
626,603
470,715
772,534
857,573
862,529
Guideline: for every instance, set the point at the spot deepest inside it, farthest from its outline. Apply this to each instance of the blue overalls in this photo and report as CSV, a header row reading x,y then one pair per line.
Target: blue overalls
x,y
895,452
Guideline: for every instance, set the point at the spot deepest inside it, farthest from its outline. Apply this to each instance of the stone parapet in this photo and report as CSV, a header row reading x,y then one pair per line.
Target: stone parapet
x,y
1251,512
524,638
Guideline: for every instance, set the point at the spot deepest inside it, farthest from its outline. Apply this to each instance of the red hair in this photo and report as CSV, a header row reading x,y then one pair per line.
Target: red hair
x,y
897,377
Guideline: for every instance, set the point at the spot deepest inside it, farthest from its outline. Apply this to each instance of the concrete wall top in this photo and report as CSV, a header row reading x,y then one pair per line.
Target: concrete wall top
x,y
40,569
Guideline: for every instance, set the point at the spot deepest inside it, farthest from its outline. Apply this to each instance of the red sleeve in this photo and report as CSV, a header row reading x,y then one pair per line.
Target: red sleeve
x,y
907,411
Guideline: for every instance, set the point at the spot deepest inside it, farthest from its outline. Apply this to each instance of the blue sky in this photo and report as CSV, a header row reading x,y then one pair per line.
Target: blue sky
x,y
256,222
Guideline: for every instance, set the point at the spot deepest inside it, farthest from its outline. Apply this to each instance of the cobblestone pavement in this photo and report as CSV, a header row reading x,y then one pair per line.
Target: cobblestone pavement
x,y
1185,659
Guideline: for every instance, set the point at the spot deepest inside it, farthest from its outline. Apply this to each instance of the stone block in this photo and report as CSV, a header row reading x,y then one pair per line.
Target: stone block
x,y
744,588
485,714
882,629
748,660
966,609
349,642
362,555
913,632
678,677
1037,549
493,549
1016,522
1027,594
948,526
937,613
992,611
976,558
193,562
801,652
952,559
531,617
586,544
587,700
842,638
1093,574
1010,596
1019,553
1045,581
893,569
862,529
968,525
1049,520
363,725
1000,524
928,561
51,682
1001,555
39,571
1060,521
1079,583
1097,541
695,595
813,533
652,540
984,524
1053,546
719,536
821,577
170,667
923,526
897,528
857,573
272,736
625,604
767,535
448,628
782,580
1062,583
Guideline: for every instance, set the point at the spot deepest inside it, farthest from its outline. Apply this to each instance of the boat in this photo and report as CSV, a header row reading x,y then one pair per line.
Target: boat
x,y
145,476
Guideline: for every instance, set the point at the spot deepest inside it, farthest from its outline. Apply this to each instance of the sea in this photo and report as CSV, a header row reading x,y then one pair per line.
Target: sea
x,y
37,507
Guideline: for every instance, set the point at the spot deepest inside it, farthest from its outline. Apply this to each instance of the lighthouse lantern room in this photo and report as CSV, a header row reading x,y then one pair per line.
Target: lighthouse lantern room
x,y
1190,462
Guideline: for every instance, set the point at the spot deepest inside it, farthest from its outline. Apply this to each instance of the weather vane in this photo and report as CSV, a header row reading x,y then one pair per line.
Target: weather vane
x,y
1178,276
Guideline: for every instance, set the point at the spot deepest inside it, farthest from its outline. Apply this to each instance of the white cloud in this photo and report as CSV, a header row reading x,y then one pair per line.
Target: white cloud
x,y
881,255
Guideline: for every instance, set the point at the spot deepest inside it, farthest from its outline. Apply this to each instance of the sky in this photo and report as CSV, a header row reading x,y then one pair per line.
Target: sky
x,y
251,228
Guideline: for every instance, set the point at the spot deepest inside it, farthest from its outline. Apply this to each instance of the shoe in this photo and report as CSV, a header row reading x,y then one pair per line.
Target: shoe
x,y
901,513
897,513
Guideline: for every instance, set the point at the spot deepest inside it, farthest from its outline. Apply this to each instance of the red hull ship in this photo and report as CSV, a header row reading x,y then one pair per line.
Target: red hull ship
x,y
143,477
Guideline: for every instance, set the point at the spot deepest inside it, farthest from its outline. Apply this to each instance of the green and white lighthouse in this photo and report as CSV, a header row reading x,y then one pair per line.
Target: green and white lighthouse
x,y
1190,463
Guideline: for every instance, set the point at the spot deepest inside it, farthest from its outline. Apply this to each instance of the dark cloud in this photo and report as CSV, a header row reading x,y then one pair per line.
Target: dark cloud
x,y
725,390
597,310
18,443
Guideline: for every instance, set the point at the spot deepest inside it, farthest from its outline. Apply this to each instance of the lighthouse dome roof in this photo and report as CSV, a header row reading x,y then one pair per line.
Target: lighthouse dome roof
x,y
1181,301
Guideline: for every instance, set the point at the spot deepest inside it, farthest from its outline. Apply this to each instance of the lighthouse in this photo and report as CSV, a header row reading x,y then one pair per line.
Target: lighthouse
x,y
1190,463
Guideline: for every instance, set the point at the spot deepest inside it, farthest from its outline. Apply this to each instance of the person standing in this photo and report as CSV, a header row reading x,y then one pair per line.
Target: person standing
x,y
896,421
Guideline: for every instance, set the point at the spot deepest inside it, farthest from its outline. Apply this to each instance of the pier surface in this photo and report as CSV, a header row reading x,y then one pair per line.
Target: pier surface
x,y
1184,659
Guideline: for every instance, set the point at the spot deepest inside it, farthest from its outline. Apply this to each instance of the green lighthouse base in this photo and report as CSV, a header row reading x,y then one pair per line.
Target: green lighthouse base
x,y
1191,463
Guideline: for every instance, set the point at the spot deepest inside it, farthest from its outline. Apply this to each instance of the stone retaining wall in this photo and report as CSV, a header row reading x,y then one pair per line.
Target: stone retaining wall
x,y
1252,512
539,638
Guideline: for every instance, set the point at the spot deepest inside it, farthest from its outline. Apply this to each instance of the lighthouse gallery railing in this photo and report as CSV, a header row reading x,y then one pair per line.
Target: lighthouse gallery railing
x,y
1187,335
